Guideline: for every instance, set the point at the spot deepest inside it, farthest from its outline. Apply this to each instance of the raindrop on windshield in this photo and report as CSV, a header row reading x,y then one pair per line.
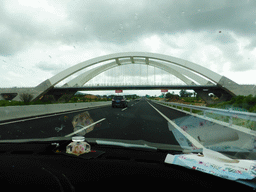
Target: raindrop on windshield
x,y
120,28
136,16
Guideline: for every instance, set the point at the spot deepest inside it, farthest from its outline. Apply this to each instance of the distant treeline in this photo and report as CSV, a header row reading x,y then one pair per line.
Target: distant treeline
x,y
240,102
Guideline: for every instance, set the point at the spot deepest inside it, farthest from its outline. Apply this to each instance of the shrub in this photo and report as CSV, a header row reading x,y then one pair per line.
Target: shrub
x,y
26,97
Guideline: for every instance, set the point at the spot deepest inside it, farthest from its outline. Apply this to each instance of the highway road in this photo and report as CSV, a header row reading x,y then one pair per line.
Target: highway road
x,y
139,121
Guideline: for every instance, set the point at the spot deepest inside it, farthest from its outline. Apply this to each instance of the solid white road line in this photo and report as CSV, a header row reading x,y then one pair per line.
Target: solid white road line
x,y
45,116
190,138
222,123
39,117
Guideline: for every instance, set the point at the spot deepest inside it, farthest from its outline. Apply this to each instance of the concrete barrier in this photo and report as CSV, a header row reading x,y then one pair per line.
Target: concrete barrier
x,y
14,112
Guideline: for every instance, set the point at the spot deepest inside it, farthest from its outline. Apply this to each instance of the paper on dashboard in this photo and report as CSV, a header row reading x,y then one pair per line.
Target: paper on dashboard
x,y
216,164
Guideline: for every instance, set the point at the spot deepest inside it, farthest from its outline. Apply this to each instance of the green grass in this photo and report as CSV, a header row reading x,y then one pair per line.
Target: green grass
x,y
239,103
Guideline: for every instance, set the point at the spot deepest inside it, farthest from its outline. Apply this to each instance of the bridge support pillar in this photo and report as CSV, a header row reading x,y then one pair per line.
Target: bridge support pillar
x,y
221,94
66,96
42,89
60,95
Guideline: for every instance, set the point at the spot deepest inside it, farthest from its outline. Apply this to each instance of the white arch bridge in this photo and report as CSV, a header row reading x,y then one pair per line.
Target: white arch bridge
x,y
200,79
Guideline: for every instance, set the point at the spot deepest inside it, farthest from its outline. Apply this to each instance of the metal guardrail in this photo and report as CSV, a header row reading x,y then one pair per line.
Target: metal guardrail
x,y
230,113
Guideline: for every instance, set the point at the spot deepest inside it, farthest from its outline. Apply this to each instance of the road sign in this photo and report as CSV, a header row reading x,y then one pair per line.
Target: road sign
x,y
119,91
164,90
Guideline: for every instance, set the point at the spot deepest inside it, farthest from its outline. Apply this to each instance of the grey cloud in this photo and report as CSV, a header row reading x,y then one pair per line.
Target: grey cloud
x,y
115,26
123,22
235,16
242,66
48,67
9,42
252,44
17,32
224,38
230,48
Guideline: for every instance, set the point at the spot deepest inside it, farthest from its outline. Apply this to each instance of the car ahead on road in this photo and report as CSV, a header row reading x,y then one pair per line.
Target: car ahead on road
x,y
119,101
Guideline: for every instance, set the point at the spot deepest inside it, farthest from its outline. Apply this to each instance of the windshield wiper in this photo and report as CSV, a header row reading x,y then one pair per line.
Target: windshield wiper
x,y
122,144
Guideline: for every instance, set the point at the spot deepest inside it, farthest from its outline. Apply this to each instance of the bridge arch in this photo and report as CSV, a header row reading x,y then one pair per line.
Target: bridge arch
x,y
131,55
174,70
88,75
188,72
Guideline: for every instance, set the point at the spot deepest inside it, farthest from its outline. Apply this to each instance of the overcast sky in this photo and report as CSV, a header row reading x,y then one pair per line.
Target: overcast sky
x,y
39,38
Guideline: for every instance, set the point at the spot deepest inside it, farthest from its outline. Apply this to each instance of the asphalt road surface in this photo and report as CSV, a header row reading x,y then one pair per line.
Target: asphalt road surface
x,y
139,121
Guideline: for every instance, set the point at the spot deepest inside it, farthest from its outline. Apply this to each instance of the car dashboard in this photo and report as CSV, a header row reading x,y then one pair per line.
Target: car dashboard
x,y
47,166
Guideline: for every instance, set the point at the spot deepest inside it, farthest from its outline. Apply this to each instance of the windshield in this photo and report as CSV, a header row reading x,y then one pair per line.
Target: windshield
x,y
64,63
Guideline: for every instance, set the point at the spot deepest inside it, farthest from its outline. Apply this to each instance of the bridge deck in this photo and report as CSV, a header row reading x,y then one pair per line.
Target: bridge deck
x,y
136,87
